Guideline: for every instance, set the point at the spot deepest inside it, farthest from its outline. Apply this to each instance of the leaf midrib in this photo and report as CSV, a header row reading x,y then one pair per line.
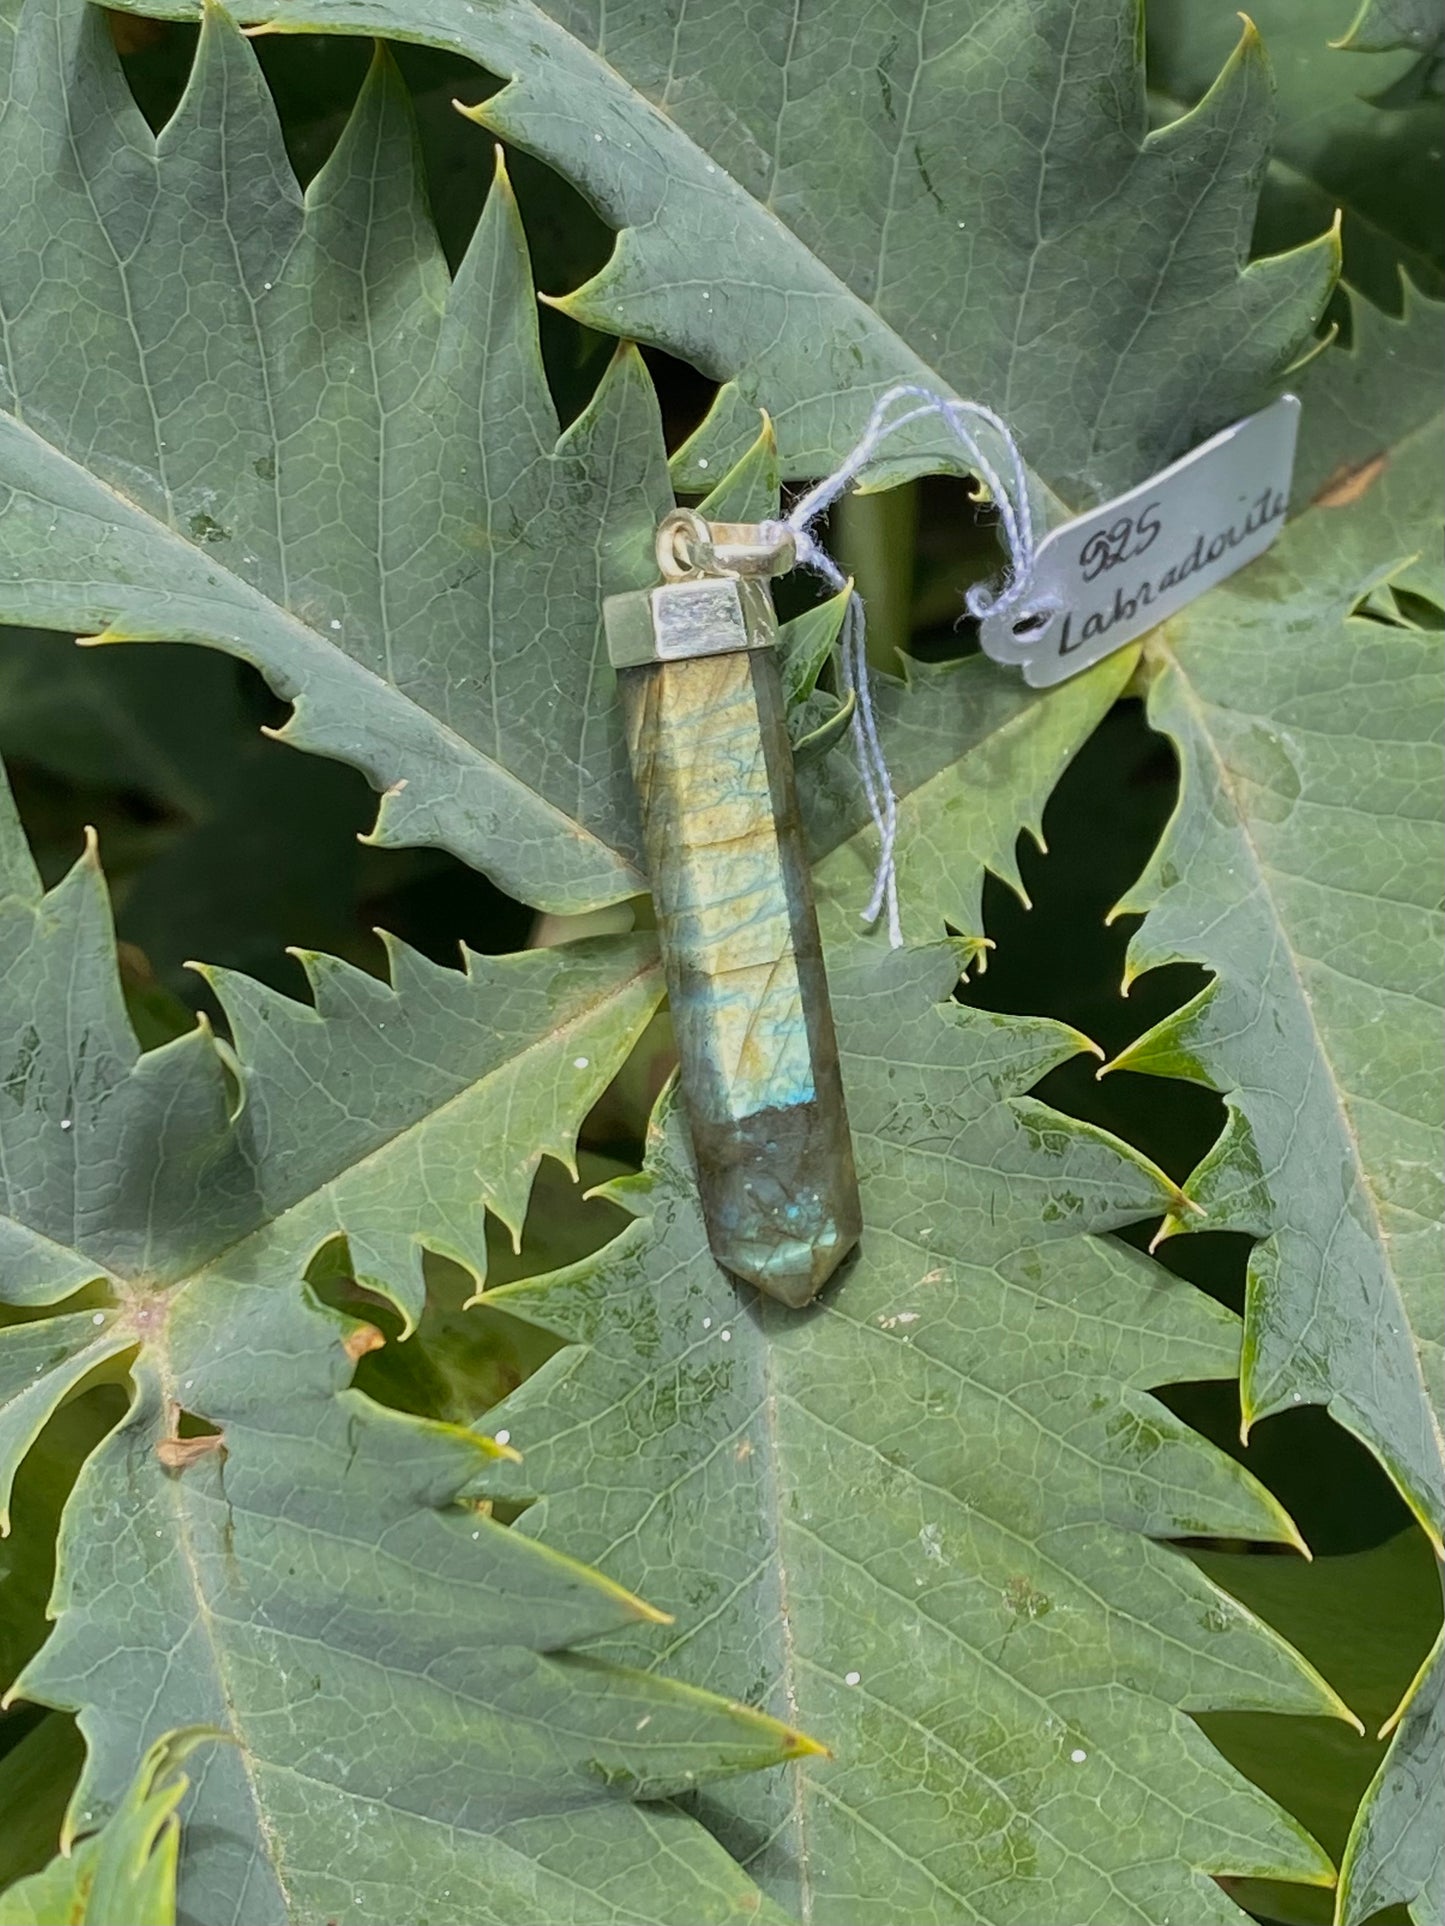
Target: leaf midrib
x,y
997,1521
985,1662
158,1356
773,1504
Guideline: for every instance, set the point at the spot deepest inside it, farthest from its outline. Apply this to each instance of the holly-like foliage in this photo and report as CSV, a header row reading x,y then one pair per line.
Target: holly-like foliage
x,y
481,1548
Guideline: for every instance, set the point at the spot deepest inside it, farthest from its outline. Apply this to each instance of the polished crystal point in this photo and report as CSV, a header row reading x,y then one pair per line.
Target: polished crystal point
x,y
759,1060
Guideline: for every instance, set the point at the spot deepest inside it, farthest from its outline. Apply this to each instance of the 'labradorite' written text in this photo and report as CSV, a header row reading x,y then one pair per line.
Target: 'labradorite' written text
x,y
1099,555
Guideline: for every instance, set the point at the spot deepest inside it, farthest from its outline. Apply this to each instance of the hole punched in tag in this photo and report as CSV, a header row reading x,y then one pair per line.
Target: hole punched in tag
x,y
1107,577
1032,626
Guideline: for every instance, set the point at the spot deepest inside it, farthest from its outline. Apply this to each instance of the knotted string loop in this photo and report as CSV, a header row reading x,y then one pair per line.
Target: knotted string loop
x,y
1007,483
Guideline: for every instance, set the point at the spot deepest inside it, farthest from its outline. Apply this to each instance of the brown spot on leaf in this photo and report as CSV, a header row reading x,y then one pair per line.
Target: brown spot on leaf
x,y
360,1339
176,1453
1347,484
1025,1600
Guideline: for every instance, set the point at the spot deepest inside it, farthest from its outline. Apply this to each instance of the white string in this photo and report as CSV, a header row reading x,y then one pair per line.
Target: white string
x,y
1010,492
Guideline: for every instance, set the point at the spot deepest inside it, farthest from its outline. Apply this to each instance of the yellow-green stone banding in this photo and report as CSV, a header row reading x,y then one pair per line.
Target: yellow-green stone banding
x,y
759,1059
701,763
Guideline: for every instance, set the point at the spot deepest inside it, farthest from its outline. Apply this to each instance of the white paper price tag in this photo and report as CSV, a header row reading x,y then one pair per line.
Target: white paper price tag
x,y
1124,568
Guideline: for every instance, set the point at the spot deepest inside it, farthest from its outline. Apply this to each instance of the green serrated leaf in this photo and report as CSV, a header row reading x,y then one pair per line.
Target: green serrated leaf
x,y
820,724
921,257
1396,1849
920,1517
1332,149
974,755
806,643
301,463
1302,869
124,1874
1365,1619
216,867
800,214
1383,24
290,1561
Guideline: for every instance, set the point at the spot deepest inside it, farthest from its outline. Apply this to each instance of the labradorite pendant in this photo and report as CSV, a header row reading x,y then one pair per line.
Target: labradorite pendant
x,y
707,735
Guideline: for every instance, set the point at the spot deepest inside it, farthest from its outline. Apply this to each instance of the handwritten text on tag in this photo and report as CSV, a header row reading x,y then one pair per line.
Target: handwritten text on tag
x,y
1110,575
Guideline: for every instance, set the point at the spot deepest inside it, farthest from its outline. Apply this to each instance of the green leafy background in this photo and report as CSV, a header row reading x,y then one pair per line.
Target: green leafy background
x,y
982,1524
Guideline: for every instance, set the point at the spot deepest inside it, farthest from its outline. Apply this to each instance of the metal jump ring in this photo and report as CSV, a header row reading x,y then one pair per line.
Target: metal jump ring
x,y
684,546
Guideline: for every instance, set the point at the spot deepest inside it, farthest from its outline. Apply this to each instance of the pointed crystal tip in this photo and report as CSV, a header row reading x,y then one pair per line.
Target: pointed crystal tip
x,y
794,1269
776,1222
